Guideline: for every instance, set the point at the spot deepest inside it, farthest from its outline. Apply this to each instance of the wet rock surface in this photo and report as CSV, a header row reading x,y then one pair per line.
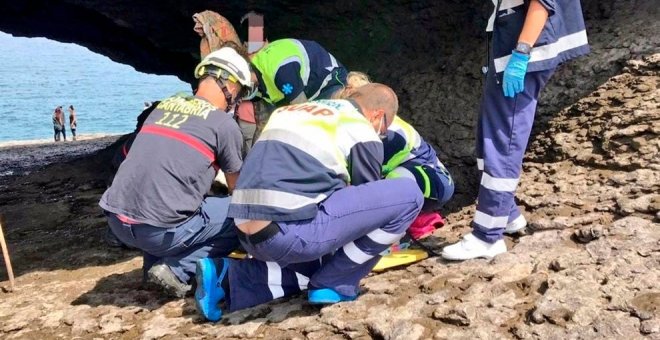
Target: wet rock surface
x,y
588,267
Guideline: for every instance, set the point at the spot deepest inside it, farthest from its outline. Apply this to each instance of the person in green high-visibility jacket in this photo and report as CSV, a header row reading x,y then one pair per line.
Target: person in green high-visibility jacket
x,y
292,71
408,155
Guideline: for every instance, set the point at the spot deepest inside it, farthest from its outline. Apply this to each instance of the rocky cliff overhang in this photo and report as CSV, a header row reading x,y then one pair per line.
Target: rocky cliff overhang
x,y
430,52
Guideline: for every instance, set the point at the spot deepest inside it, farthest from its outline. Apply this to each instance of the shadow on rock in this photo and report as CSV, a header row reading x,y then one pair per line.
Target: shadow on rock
x,y
123,290
285,314
51,216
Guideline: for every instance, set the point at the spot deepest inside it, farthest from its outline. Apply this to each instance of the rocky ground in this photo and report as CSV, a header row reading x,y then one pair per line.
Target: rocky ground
x,y
21,157
588,268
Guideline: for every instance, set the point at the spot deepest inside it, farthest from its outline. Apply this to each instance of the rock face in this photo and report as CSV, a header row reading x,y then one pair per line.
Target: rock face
x,y
431,52
588,268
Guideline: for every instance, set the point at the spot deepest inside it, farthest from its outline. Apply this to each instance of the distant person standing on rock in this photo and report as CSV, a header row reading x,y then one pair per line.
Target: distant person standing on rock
x,y
58,123
529,39
62,121
57,128
73,121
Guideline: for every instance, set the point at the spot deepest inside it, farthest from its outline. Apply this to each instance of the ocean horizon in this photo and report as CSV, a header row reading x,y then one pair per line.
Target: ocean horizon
x,y
38,74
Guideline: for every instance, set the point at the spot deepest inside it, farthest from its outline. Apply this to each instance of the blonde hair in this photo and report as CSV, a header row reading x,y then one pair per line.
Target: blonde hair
x,y
354,79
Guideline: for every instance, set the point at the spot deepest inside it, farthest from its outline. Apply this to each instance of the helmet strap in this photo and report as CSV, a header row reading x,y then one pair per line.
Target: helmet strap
x,y
231,102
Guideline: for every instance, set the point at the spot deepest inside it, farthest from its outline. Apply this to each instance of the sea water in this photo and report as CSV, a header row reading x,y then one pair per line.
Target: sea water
x,y
37,75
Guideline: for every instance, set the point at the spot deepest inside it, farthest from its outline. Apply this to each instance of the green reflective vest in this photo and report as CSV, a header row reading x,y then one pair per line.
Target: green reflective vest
x,y
413,140
269,59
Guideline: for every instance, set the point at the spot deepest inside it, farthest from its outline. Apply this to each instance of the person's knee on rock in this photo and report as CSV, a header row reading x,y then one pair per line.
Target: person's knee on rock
x,y
157,201
312,188
408,155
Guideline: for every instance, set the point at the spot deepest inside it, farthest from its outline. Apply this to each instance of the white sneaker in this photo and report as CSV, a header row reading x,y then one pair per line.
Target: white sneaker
x,y
516,225
470,247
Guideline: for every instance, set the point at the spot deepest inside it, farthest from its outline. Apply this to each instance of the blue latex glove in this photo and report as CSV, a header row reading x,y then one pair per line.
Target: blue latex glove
x,y
514,74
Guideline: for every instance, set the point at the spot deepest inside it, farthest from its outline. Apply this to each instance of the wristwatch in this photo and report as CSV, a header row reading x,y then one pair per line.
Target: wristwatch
x,y
523,48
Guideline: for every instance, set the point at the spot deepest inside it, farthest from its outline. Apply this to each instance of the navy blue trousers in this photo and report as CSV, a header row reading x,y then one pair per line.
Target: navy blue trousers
x,y
208,233
352,227
503,131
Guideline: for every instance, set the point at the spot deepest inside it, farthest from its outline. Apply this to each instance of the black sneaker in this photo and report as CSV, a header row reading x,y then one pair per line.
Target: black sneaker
x,y
162,275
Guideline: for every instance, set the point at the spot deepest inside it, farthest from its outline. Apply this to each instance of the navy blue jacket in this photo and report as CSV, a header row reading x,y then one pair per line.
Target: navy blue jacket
x,y
563,38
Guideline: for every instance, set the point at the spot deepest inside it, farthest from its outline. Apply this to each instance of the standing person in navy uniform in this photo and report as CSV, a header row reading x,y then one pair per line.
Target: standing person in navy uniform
x,y
530,38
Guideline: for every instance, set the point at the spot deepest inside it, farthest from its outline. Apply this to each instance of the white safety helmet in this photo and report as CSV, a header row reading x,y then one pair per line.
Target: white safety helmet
x,y
227,64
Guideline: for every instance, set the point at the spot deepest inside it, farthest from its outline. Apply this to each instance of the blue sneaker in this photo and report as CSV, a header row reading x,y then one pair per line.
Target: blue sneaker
x,y
209,292
327,296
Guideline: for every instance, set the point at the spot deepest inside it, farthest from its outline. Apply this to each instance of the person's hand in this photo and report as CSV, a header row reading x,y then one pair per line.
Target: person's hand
x,y
514,74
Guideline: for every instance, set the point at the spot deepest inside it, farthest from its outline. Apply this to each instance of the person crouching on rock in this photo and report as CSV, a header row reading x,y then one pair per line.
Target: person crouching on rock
x,y
311,186
408,155
292,71
529,39
157,201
